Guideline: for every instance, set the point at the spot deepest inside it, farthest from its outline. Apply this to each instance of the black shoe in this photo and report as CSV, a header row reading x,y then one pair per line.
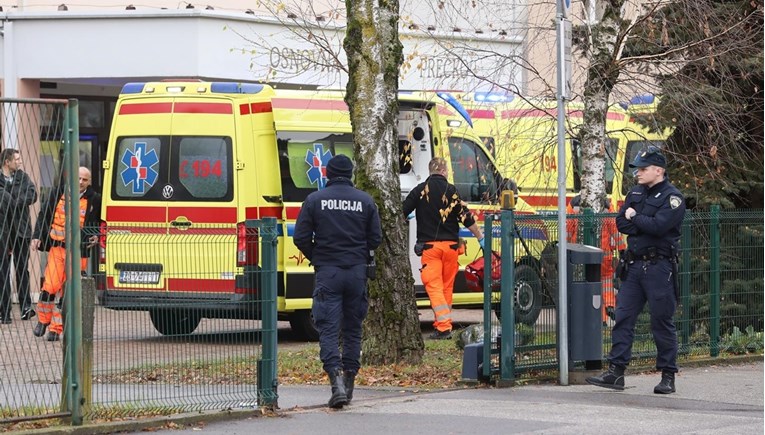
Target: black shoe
x,y
40,329
52,336
667,384
612,378
441,335
28,314
338,399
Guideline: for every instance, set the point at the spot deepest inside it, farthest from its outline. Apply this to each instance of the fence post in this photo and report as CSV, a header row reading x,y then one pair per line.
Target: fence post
x,y
507,293
267,365
488,237
588,227
685,282
72,391
714,282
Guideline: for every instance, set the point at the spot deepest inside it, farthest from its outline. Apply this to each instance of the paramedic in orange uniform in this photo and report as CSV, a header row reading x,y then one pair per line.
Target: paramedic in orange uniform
x,y
50,235
439,212
611,241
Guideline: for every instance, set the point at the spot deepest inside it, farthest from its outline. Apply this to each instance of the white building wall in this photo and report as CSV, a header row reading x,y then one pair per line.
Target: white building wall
x,y
114,47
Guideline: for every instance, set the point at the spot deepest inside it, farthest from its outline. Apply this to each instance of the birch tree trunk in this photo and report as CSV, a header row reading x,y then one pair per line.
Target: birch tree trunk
x,y
392,328
603,38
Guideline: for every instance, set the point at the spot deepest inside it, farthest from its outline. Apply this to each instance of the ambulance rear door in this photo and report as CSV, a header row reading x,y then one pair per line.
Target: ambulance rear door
x,y
415,150
173,213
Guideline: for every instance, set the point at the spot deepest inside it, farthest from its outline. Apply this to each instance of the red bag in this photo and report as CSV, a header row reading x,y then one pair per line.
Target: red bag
x,y
474,273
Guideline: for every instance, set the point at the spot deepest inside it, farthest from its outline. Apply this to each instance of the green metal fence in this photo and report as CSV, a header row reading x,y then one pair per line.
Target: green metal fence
x,y
721,295
211,346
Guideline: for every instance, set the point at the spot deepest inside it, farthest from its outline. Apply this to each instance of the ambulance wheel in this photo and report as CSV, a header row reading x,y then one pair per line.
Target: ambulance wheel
x,y
302,325
174,322
528,295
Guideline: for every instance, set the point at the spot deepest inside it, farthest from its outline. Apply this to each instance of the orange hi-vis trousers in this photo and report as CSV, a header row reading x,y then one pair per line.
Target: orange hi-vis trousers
x,y
439,269
53,287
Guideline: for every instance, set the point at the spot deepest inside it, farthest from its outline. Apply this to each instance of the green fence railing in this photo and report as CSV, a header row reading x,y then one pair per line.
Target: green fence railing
x,y
721,296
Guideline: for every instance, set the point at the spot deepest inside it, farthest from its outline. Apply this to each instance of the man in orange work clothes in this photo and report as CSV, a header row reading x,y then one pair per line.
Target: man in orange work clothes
x,y
50,235
611,242
439,212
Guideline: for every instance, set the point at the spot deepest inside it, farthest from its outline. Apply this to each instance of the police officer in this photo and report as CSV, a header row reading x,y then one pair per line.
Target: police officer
x,y
337,230
651,218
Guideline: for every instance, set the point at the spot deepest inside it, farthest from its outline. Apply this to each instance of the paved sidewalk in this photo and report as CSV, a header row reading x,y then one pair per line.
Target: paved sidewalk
x,y
720,399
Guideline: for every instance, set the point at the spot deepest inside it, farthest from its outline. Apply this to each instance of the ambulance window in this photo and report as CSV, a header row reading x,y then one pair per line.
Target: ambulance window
x,y
474,175
204,167
300,152
139,167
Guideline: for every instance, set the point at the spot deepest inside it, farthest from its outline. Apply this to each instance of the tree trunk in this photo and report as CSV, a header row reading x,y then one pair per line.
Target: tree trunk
x,y
392,328
602,74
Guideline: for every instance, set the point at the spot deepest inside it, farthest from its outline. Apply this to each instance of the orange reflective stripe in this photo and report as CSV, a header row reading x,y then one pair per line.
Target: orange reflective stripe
x,y
58,226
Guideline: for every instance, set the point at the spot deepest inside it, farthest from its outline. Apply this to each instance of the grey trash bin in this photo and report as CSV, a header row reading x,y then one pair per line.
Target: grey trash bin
x,y
585,331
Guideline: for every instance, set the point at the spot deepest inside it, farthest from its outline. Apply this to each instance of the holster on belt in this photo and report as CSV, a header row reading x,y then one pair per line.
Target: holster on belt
x,y
625,257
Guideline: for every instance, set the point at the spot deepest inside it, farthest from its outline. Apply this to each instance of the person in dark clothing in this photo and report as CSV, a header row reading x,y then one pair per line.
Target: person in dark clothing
x,y
50,235
337,230
651,217
19,193
439,212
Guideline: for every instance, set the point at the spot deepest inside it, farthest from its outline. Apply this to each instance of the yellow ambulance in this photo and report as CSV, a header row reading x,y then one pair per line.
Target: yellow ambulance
x,y
523,134
188,162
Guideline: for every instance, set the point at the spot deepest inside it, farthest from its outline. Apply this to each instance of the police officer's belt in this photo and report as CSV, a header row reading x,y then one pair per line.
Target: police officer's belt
x,y
630,256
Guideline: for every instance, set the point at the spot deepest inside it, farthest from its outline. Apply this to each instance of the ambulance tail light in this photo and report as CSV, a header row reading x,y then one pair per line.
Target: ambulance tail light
x,y
246,245
102,243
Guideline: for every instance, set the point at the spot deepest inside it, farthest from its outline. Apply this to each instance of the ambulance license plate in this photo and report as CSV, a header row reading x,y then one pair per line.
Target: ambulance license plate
x,y
139,277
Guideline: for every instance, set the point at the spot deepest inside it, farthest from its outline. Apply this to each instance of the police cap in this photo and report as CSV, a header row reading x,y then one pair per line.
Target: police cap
x,y
651,156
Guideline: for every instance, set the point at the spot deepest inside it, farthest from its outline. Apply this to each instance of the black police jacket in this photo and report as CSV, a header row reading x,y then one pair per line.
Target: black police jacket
x,y
338,225
657,224
17,195
439,210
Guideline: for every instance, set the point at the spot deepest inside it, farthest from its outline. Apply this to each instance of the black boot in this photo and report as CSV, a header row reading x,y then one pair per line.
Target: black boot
x,y
39,330
667,384
350,379
338,399
612,378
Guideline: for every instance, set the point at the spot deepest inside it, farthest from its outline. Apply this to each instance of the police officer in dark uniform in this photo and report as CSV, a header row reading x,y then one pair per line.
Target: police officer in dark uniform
x,y
651,217
337,230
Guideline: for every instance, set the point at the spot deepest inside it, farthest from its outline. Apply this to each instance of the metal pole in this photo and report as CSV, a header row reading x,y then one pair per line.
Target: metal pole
x,y
267,376
73,290
488,223
507,343
714,281
562,322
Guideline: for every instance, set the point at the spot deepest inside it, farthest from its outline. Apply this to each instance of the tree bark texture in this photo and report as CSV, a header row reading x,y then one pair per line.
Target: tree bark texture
x,y
602,74
392,328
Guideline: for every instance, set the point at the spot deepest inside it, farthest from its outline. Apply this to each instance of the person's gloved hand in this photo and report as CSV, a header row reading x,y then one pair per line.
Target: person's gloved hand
x,y
410,217
480,242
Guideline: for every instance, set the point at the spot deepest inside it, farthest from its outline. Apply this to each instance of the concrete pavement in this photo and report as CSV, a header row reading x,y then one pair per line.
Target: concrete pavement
x,y
718,399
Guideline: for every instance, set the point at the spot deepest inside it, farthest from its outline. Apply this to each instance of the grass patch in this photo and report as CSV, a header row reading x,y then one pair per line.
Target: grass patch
x,y
441,367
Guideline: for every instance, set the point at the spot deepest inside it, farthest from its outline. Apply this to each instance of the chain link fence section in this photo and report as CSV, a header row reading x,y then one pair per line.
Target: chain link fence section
x,y
31,368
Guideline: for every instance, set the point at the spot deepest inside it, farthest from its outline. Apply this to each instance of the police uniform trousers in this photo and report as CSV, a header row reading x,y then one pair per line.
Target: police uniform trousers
x,y
650,282
340,305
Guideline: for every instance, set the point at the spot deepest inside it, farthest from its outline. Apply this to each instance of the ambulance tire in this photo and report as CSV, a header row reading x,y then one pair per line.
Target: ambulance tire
x,y
302,325
528,295
174,322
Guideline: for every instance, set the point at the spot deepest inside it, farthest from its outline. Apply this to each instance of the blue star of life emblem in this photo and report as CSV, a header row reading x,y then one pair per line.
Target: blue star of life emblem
x,y
317,160
139,168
